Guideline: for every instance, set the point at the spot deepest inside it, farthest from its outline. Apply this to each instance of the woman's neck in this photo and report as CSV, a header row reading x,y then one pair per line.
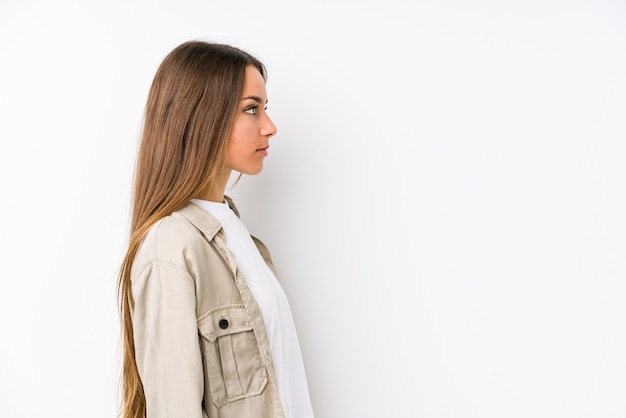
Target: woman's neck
x,y
216,193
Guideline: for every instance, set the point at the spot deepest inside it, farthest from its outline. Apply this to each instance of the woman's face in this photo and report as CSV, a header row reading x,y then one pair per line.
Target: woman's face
x,y
252,127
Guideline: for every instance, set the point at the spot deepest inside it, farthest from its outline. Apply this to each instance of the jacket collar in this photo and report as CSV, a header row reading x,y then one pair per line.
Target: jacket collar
x,y
203,220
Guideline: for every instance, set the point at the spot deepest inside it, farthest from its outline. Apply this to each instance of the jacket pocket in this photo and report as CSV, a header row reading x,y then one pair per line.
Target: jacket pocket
x,y
232,363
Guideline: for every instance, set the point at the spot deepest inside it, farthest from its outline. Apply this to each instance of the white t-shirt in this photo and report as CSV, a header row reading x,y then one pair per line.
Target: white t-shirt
x,y
269,295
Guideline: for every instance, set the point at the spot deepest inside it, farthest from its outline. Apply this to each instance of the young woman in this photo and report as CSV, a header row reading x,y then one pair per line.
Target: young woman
x,y
207,329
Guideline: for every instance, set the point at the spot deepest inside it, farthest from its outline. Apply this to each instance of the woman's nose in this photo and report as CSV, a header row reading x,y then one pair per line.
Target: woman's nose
x,y
269,129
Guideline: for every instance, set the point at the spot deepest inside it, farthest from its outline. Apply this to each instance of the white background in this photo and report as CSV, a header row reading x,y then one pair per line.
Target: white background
x,y
444,200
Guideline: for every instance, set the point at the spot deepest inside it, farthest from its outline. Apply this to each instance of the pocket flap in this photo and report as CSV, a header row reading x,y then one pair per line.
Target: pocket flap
x,y
224,320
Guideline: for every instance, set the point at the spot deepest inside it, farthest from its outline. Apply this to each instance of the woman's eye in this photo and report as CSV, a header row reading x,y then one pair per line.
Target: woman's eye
x,y
251,110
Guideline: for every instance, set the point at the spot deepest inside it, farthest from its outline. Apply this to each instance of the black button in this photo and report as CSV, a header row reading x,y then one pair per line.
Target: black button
x,y
223,323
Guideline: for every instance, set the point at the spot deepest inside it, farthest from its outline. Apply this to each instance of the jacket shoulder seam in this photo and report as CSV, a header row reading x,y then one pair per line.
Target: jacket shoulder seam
x,y
156,261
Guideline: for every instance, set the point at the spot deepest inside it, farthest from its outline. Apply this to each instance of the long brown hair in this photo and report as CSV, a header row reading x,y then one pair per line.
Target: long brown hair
x,y
188,117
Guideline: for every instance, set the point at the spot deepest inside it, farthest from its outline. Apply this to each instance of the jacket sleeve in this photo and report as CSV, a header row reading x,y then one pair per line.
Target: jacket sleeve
x,y
167,348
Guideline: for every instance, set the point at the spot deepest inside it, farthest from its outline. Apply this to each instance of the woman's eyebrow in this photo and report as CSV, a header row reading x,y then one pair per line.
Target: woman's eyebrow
x,y
255,98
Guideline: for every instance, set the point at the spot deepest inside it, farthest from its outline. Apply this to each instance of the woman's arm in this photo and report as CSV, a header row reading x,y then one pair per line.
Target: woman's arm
x,y
166,341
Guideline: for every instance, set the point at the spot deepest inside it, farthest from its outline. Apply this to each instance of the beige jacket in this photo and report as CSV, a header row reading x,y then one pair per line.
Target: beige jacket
x,y
200,341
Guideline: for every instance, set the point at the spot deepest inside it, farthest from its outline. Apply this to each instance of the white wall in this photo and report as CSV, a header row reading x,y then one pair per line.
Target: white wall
x,y
444,200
